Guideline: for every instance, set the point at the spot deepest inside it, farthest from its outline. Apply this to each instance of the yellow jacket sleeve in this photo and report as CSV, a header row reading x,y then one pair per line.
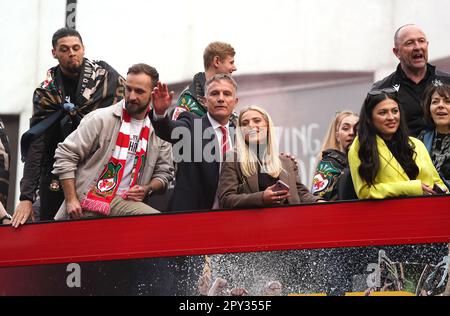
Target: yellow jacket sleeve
x,y
390,181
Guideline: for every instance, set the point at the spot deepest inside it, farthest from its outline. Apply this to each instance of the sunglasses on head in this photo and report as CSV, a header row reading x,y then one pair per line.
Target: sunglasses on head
x,y
437,83
382,91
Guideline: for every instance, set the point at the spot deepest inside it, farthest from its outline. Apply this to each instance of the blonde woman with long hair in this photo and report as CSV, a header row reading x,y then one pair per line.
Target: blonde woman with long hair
x,y
250,176
332,158
5,218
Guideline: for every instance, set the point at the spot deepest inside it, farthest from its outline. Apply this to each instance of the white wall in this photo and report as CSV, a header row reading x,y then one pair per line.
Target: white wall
x,y
269,36
18,53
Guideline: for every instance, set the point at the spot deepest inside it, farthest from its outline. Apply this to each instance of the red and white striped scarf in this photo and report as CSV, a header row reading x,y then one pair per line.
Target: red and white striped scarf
x,y
103,192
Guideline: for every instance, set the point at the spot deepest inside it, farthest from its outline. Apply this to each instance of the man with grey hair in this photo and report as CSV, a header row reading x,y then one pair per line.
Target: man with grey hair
x,y
413,75
203,142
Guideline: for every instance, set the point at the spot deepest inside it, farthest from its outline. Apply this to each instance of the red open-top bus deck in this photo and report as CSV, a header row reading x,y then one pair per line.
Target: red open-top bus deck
x,y
422,220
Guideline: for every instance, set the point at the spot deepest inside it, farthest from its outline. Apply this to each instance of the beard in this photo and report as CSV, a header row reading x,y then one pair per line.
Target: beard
x,y
73,67
135,108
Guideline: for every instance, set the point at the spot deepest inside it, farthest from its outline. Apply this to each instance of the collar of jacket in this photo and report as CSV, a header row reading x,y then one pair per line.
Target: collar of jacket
x,y
118,108
431,70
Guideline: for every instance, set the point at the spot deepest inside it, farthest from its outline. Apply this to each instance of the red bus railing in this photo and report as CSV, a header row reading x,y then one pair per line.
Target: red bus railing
x,y
325,225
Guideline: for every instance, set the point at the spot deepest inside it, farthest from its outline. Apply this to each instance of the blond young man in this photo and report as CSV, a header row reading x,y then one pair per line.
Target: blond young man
x,y
218,58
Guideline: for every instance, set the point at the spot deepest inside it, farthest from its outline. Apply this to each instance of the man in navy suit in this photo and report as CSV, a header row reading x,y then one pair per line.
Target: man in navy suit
x,y
199,143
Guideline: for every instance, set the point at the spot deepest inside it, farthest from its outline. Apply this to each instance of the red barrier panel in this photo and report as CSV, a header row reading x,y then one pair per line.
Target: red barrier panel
x,y
326,225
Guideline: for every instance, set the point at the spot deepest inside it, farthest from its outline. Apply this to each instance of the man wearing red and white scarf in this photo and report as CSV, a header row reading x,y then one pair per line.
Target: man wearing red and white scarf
x,y
114,159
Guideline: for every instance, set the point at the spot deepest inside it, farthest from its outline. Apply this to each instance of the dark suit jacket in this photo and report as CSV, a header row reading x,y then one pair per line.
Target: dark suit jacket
x,y
237,191
197,174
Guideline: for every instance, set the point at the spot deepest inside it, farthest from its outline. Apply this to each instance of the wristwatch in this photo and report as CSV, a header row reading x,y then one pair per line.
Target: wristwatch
x,y
7,216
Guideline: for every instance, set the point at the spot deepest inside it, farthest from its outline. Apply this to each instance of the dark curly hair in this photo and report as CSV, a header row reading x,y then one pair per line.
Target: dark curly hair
x,y
64,32
443,90
399,145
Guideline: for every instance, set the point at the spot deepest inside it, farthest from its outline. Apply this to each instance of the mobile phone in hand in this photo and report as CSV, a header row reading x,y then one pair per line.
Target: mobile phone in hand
x,y
280,186
438,189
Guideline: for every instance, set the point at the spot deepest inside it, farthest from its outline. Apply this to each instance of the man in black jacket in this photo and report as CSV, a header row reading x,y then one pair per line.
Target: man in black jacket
x,y
200,151
412,76
75,87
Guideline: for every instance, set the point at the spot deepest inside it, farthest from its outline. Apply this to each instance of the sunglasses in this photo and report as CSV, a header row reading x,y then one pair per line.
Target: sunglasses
x,y
437,83
382,91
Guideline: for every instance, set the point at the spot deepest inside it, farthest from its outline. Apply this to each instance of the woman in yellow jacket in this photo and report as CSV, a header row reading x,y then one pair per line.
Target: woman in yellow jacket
x,y
384,161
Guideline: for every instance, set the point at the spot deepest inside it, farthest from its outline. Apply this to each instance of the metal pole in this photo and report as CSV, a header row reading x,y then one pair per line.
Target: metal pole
x,y
71,14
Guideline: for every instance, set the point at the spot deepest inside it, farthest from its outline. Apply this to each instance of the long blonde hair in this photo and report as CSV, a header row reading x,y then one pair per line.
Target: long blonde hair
x,y
330,141
248,159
